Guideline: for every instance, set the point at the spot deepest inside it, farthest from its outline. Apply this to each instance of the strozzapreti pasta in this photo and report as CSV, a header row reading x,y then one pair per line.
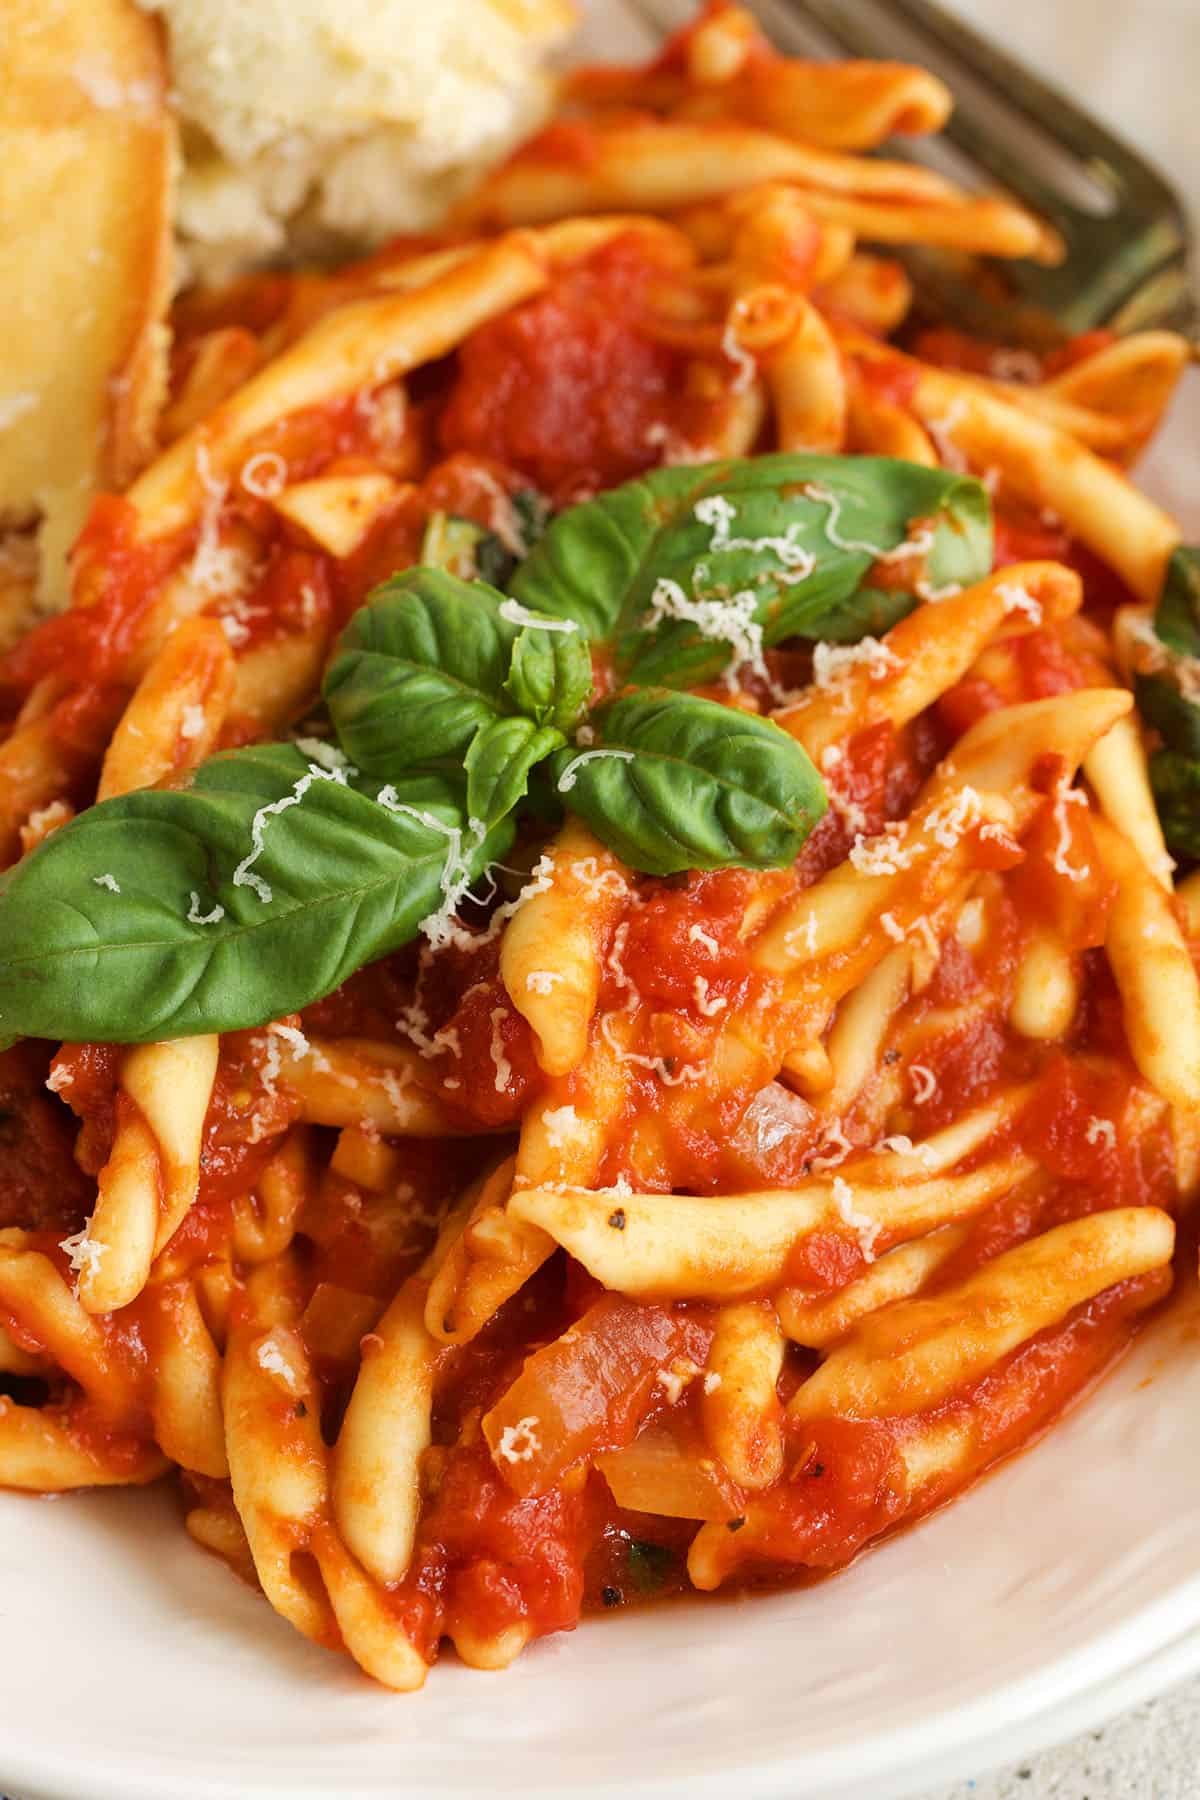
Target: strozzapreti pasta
x,y
598,974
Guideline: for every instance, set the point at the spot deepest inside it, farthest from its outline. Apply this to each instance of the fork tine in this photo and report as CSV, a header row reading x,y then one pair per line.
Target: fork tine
x,y
1108,159
1126,233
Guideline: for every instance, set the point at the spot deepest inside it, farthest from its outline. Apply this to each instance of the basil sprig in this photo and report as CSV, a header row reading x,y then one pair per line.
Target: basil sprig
x,y
431,661
277,871
1164,700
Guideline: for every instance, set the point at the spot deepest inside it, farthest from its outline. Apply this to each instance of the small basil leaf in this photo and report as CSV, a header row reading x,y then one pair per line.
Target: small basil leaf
x,y
796,533
419,669
1176,718
1175,780
251,893
456,546
682,783
1177,620
651,1566
475,553
550,677
498,765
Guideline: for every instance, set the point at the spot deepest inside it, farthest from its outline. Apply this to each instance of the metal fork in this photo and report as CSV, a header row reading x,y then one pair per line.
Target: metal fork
x,y
1126,232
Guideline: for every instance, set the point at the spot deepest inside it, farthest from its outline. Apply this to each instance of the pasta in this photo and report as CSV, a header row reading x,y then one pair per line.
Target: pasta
x,y
599,977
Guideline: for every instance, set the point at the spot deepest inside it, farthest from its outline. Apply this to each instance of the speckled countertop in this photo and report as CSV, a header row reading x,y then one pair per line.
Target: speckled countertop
x,y
1136,63
1151,1753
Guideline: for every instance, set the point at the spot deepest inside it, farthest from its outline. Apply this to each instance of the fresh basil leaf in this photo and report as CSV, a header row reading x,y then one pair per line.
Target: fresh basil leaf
x,y
1175,780
797,533
419,669
868,613
1173,716
678,783
251,893
499,762
494,562
1177,620
550,677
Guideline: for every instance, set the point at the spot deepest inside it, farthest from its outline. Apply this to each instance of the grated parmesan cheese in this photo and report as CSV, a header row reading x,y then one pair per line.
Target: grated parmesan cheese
x,y
570,774
192,723
1018,599
942,432
1101,1131
899,1145
865,1228
107,881
833,663
710,1006
520,1442
734,351
236,632
243,875
952,820
884,854
804,936
500,1061
327,755
265,474
656,1065
273,1360
598,881
542,981
698,935
729,622
924,1083
196,917
834,1148
562,1124
516,614
83,1253
215,568
441,927
717,513
1065,795
675,1379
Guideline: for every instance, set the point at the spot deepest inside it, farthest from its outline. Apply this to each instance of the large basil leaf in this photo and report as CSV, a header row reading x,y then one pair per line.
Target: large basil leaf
x,y
550,677
723,530
677,782
1164,698
1177,620
251,893
420,668
1176,718
1175,780
499,762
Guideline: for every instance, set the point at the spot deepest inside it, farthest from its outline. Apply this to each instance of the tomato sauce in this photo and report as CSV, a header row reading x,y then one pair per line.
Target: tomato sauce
x,y
570,388
40,1182
117,578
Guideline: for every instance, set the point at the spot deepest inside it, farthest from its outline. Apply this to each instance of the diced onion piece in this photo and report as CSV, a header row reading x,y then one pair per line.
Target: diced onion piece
x,y
588,1390
335,1320
668,1471
337,510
